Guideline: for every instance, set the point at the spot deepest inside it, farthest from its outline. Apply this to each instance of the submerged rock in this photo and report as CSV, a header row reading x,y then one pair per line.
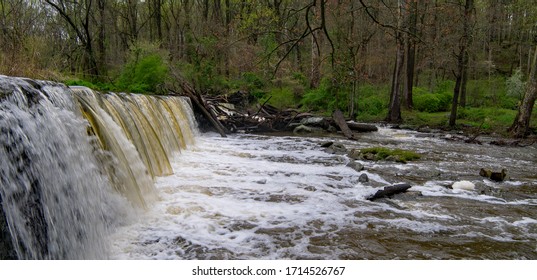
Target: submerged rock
x,y
363,178
315,121
389,191
304,129
494,176
261,181
334,148
7,252
381,153
327,144
355,165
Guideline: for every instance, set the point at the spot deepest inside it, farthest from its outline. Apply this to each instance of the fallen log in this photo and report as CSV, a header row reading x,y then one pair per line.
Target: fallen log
x,y
362,127
389,191
198,101
342,124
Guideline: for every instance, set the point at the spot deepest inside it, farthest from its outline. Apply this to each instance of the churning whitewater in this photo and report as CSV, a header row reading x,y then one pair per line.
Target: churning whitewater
x,y
77,163
275,197
86,175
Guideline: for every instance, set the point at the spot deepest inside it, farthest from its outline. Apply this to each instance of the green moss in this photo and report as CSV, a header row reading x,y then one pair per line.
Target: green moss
x,y
381,153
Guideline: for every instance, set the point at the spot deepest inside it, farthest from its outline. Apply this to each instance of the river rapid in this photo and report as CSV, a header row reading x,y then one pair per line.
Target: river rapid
x,y
283,197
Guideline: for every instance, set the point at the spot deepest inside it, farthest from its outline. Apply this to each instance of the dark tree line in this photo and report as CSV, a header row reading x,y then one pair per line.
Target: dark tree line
x,y
404,43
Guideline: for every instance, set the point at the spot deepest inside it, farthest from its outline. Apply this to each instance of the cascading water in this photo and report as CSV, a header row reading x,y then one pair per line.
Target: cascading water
x,y
64,151
74,161
56,201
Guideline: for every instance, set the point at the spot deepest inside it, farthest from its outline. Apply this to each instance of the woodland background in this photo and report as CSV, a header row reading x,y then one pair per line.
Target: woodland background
x,y
425,62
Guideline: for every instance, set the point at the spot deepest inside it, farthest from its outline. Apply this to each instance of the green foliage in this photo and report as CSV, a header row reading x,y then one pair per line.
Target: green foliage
x,y
398,155
371,102
446,87
327,97
145,71
515,85
490,93
432,102
316,99
373,105
416,118
281,98
202,69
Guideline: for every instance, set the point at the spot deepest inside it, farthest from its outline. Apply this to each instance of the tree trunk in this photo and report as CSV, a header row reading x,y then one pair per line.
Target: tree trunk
x,y
411,53
102,37
521,125
157,17
462,60
464,82
394,109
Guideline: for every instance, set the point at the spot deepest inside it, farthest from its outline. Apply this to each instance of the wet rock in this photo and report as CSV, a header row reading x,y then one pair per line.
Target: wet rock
x,y
7,252
303,129
362,127
262,181
327,144
389,191
485,190
485,172
331,129
315,121
369,156
363,178
354,154
355,165
515,143
336,148
416,175
494,176
424,129
498,176
409,196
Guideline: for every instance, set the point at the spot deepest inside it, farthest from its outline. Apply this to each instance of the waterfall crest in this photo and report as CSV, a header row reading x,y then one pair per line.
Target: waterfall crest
x,y
73,161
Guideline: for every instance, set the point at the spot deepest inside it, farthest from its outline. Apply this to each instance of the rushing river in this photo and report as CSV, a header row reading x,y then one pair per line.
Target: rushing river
x,y
283,197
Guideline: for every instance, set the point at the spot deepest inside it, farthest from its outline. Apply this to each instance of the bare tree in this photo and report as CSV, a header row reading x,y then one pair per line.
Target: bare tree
x,y
77,15
462,59
521,125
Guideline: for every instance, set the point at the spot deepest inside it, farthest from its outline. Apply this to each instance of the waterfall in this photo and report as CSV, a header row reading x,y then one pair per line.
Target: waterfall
x,y
73,161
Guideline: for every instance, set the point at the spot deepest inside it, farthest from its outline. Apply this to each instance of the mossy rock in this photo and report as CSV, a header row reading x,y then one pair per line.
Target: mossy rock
x,y
381,153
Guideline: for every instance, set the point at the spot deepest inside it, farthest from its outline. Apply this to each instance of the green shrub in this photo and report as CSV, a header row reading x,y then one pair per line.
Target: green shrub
x,y
486,92
145,71
252,81
372,105
281,98
431,102
320,98
515,85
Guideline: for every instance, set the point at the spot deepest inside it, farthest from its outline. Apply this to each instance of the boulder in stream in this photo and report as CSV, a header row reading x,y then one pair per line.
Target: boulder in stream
x,y
389,191
334,148
363,178
494,176
355,165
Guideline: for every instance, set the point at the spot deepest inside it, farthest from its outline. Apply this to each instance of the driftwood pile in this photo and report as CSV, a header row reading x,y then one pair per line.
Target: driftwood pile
x,y
234,113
